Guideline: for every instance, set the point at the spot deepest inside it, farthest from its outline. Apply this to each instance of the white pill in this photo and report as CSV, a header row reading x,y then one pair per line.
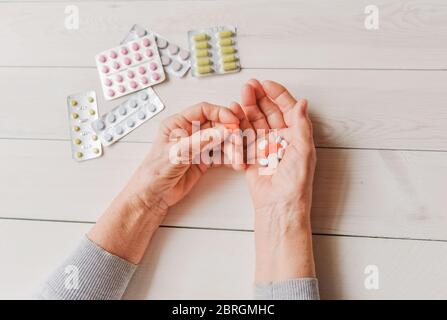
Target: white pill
x,y
100,125
152,108
184,55
111,118
133,104
141,115
278,139
284,143
263,161
165,60
173,49
262,144
130,123
161,43
140,32
280,153
143,95
176,66
108,137
119,130
122,110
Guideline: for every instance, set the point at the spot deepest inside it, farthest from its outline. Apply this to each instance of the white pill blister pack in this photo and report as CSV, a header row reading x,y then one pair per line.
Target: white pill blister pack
x,y
214,51
130,67
175,59
82,112
127,116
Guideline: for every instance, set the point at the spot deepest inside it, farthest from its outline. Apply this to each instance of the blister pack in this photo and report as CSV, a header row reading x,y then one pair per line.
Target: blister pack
x,y
213,51
82,112
130,67
127,116
175,59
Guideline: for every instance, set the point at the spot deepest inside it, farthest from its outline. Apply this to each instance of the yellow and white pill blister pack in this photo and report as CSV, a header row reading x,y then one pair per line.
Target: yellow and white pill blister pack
x,y
127,116
175,60
213,51
82,112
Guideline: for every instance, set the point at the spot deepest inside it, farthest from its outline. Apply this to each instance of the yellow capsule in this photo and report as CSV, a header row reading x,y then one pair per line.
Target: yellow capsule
x,y
202,45
96,150
227,50
92,112
229,58
229,66
94,137
77,141
201,53
225,34
203,61
90,99
226,42
79,154
200,37
74,103
74,115
76,128
205,70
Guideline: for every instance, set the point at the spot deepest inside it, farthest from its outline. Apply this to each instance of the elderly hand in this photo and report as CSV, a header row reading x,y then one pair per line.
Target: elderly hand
x,y
283,199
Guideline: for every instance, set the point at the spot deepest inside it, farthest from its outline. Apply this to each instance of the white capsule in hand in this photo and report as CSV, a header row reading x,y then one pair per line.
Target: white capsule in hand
x,y
263,162
262,144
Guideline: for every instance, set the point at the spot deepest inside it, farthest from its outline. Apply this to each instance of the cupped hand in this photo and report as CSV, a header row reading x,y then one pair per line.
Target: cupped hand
x,y
270,107
283,198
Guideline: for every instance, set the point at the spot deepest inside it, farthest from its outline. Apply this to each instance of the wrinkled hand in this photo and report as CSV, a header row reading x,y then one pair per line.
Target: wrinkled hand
x,y
282,200
160,175
270,106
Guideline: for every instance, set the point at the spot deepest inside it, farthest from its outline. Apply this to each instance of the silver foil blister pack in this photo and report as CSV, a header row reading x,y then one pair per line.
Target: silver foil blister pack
x,y
127,116
175,60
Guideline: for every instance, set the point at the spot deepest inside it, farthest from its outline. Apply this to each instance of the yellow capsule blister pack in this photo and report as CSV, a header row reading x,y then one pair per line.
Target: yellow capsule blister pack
x,y
82,112
214,51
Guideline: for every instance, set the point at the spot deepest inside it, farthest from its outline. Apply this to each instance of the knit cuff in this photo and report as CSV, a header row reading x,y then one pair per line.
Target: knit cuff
x,y
296,289
90,273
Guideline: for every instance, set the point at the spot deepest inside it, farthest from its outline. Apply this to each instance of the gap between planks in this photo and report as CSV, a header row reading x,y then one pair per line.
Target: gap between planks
x,y
231,230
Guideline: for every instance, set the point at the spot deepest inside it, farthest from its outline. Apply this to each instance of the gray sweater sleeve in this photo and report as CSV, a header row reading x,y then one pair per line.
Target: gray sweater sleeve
x,y
90,273
296,289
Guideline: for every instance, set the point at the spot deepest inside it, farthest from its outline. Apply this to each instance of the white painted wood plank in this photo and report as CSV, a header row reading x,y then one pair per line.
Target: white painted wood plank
x,y
360,109
357,192
208,264
274,34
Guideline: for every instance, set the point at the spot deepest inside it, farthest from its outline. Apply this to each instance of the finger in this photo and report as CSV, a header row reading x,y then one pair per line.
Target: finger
x,y
298,115
293,111
244,124
199,142
205,111
233,150
279,94
271,111
251,109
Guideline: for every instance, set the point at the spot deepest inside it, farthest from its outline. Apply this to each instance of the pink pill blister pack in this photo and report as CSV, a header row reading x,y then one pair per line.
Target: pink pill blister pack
x,y
175,59
127,116
130,67
82,112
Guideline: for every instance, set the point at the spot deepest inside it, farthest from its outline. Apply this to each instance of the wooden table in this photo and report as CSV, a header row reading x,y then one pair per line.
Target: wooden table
x,y
378,101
